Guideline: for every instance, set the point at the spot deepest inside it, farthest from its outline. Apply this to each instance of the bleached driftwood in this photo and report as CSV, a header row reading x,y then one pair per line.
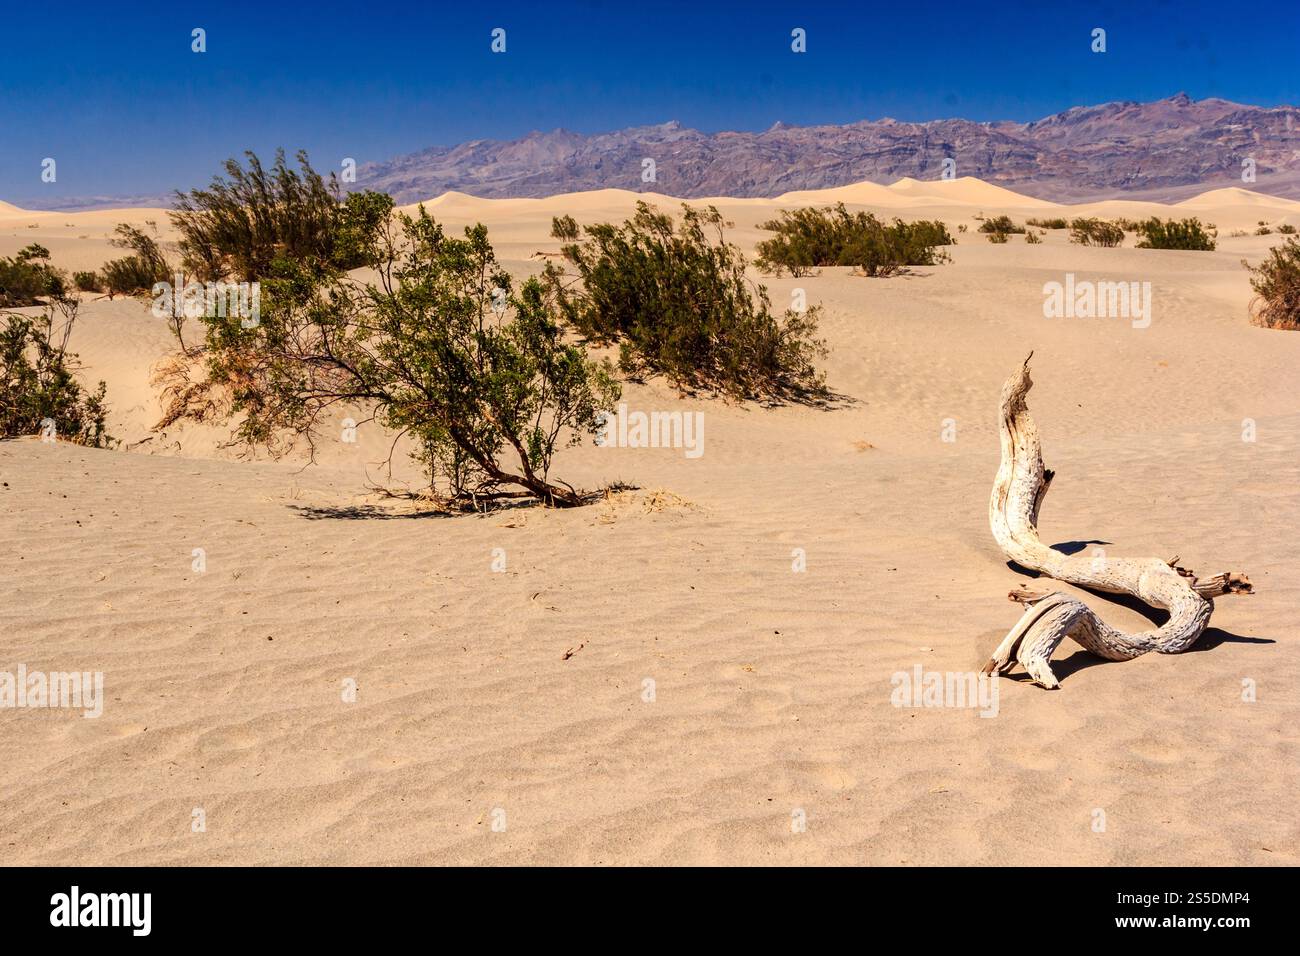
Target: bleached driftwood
x,y
1049,618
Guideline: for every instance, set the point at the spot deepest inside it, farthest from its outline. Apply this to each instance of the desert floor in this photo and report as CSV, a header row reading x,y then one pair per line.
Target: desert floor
x,y
487,698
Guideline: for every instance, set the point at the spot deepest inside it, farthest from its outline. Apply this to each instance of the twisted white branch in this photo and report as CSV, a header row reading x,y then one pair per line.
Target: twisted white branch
x,y
1018,493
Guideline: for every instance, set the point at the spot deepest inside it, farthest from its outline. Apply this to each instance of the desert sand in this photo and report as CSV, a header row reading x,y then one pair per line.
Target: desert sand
x,y
501,716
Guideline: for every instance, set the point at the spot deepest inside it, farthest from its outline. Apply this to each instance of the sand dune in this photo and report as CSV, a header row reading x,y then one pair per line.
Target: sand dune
x,y
969,190
520,696
1235,196
945,198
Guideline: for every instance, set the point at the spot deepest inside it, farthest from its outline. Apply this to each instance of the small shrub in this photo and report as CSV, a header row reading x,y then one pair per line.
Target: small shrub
x,y
1055,223
1276,282
881,250
564,227
808,238
136,274
997,237
675,298
1172,234
88,281
28,278
130,276
1002,224
1286,229
1096,232
1032,239
1263,231
38,382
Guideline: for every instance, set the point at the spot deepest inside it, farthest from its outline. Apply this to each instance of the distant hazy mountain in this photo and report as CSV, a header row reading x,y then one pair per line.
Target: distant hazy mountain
x,y
1164,150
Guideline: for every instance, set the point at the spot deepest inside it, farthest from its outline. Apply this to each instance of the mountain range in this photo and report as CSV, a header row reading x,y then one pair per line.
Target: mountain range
x,y
1166,150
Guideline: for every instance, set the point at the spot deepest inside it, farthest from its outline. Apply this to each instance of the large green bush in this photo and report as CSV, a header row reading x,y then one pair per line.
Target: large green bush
x,y
1175,234
832,236
250,217
483,380
676,300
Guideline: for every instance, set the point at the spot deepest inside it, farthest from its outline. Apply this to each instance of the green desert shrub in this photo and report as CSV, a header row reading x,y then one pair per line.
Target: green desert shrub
x,y
1032,239
1096,232
1002,224
130,276
805,239
1263,231
88,281
136,274
999,238
889,249
1054,223
832,236
564,227
481,378
1175,234
39,391
27,278
1276,282
250,217
1286,229
675,299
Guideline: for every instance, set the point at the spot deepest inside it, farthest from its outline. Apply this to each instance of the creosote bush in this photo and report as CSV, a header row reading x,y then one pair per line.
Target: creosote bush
x,y
435,343
1276,282
252,216
1054,223
1002,224
1096,232
1175,234
675,299
38,381
28,278
832,236
136,274
88,281
241,228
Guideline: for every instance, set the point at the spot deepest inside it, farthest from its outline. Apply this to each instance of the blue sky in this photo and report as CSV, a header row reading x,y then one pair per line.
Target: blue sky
x,y
115,95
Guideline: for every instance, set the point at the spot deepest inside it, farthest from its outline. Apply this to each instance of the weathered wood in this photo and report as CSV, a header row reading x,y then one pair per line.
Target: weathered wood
x,y
1049,618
